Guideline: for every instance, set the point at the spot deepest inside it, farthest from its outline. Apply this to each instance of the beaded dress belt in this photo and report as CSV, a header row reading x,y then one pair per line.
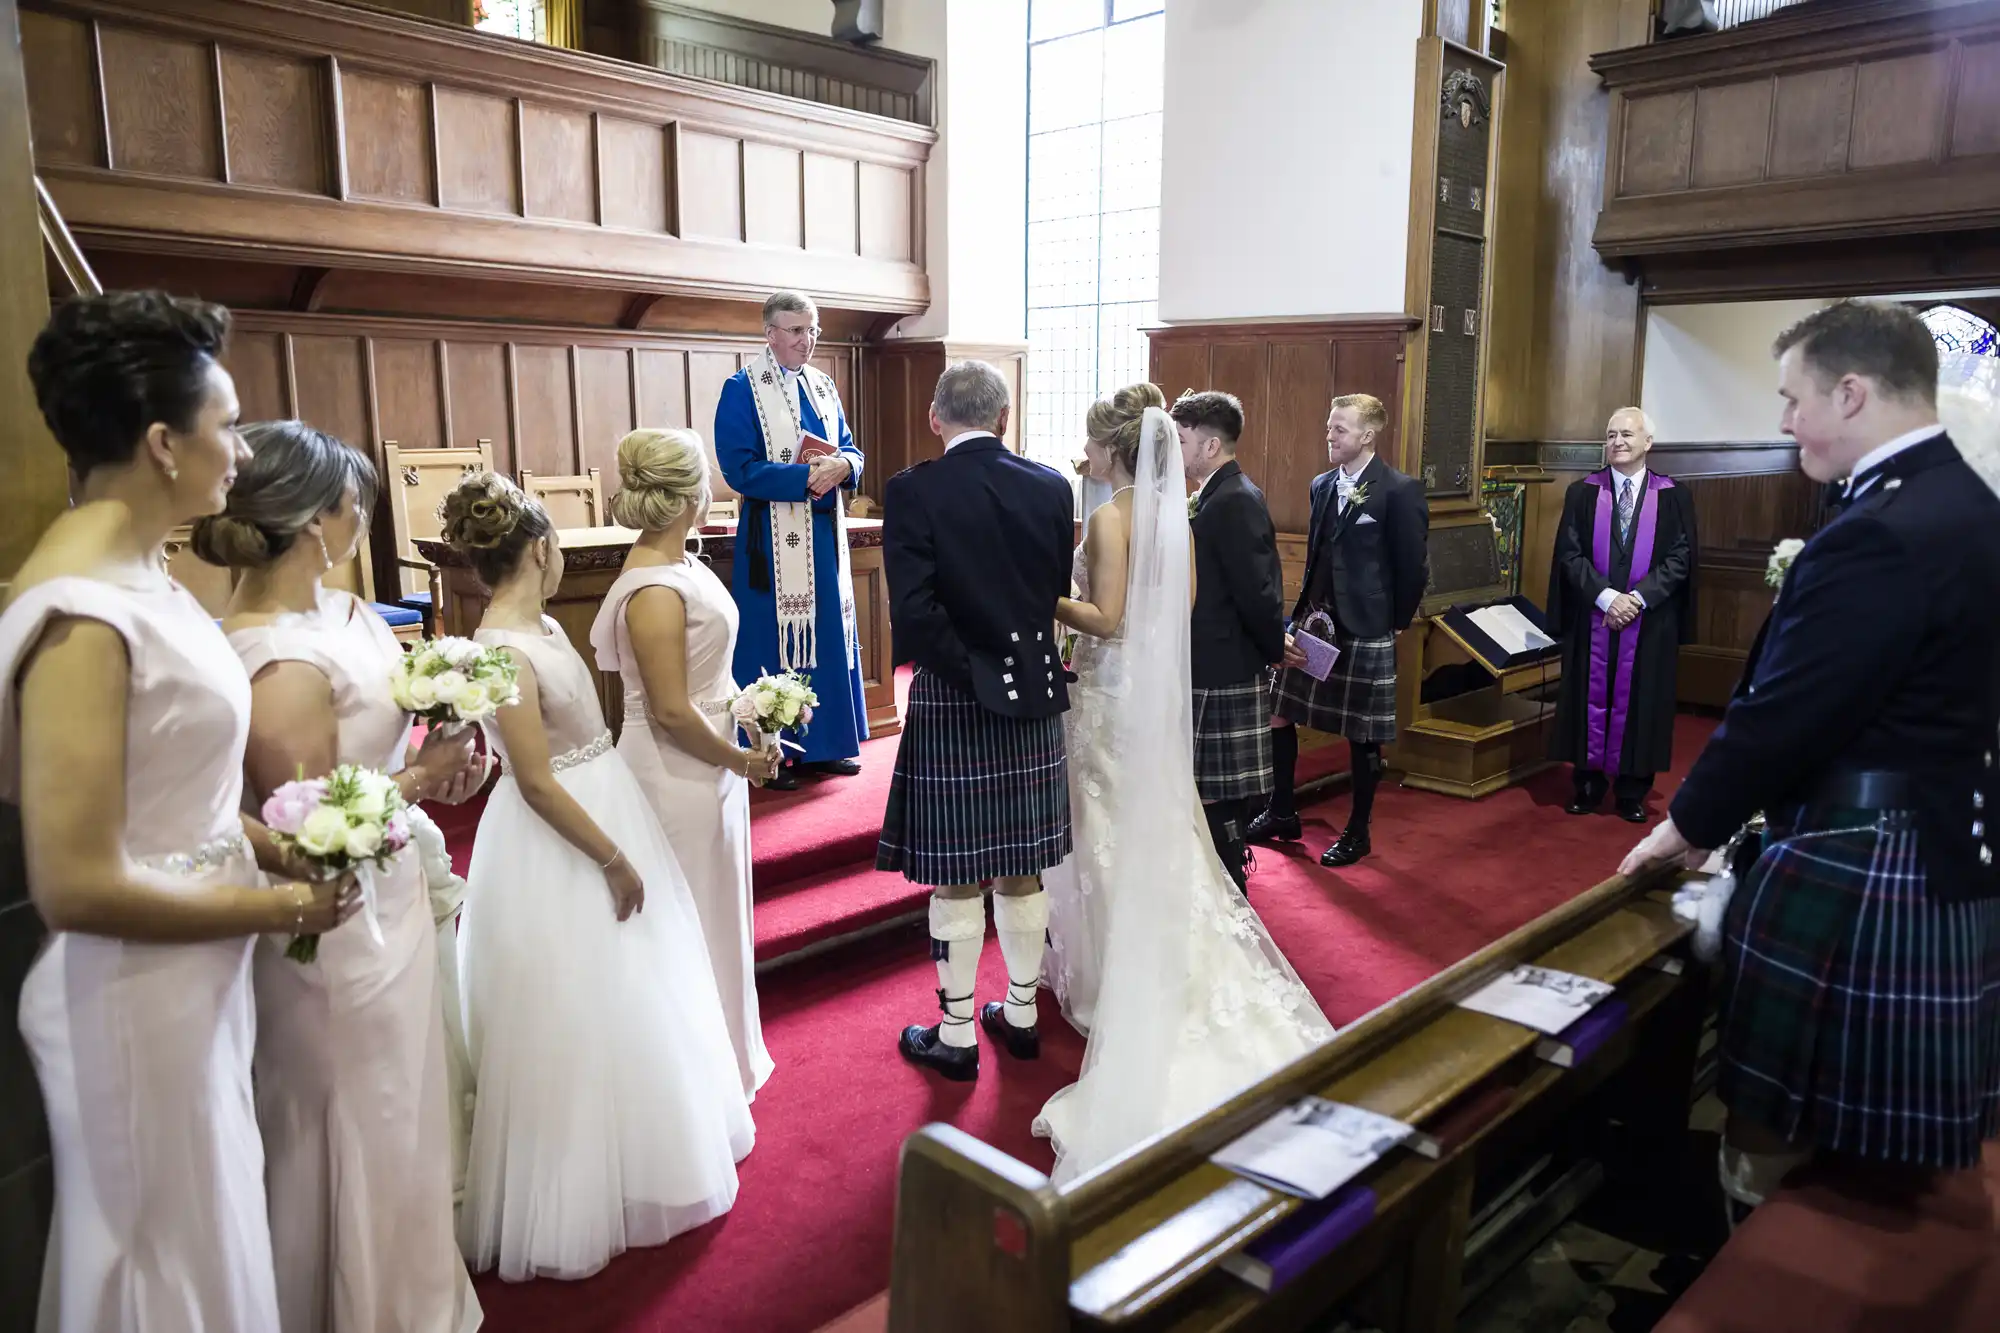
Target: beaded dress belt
x,y
209,856
581,755
715,707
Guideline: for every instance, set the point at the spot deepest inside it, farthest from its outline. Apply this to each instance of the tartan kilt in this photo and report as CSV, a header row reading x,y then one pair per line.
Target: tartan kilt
x,y
1232,741
1356,700
1858,1014
974,795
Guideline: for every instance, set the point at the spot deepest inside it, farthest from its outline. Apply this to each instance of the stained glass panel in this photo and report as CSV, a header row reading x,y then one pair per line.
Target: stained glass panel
x,y
1956,330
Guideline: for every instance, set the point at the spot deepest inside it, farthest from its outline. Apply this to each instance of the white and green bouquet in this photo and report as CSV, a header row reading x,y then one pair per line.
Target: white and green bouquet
x,y
354,819
454,681
773,706
1781,559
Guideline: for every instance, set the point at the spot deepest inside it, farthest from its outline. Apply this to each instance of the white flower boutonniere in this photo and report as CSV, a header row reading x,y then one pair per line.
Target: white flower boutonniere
x,y
1358,496
1780,563
1194,502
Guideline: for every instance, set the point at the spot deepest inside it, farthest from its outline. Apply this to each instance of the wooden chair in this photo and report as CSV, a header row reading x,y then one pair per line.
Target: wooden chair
x,y
416,482
572,502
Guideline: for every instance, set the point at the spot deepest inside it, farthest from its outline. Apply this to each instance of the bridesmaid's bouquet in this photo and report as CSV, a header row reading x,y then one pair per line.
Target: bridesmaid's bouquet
x,y
775,705
354,819
454,681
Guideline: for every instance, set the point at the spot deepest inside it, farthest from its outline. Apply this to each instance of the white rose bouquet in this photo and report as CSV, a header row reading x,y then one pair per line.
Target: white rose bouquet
x,y
454,681
351,819
775,705
1780,563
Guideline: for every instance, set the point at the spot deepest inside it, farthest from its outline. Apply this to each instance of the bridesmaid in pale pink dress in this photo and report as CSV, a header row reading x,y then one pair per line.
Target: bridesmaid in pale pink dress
x,y
123,718
350,1048
668,628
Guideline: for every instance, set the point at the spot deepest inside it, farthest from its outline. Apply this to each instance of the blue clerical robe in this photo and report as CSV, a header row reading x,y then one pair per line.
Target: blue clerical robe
x,y
840,723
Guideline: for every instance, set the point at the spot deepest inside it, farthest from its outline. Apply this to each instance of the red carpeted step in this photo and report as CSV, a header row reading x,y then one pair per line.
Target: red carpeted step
x,y
831,904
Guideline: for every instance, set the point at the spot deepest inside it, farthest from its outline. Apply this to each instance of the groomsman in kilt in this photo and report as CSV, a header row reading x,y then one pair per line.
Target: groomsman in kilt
x,y
1367,564
1621,595
1237,628
1860,1005
976,548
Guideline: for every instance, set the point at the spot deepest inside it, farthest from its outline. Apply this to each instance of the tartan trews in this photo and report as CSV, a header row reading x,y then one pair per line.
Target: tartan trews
x,y
975,795
1859,1015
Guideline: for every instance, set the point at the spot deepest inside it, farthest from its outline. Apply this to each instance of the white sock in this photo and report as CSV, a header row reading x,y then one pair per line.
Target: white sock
x,y
958,933
1749,1178
1022,923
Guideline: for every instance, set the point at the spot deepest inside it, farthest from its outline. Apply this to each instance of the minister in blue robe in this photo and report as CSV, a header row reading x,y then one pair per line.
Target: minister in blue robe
x,y
797,609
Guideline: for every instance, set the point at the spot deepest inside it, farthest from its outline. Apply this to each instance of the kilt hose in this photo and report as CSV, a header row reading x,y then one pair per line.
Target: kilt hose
x,y
1356,700
1232,741
975,795
1857,1014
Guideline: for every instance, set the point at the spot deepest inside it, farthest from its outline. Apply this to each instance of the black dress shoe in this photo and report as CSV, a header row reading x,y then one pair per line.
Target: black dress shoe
x,y
1019,1042
837,768
1632,812
1269,827
787,779
922,1046
1579,805
1353,845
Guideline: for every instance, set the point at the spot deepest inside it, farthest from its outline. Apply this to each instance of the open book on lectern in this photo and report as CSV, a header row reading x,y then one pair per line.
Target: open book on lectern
x,y
1503,635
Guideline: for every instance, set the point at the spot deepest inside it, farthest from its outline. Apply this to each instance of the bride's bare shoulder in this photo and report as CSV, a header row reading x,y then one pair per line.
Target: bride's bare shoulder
x,y
1109,519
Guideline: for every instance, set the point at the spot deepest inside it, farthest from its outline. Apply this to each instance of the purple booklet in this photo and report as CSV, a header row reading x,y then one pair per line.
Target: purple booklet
x,y
1320,652
1580,1040
1316,1230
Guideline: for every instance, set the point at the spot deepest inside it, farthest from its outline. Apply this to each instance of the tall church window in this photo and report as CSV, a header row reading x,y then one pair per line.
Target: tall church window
x,y
1096,80
1956,330
526,19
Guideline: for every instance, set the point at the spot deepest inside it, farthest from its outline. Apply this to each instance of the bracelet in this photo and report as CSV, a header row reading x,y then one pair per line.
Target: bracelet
x,y
616,857
298,905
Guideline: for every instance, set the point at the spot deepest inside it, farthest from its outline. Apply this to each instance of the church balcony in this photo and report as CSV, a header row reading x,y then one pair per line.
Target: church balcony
x,y
323,137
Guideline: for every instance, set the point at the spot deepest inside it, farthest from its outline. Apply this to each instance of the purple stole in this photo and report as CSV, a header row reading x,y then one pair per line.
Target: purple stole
x,y
1609,696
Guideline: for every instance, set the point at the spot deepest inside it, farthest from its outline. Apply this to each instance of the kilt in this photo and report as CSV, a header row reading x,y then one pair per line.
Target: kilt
x,y
1232,741
974,795
1356,700
1857,1014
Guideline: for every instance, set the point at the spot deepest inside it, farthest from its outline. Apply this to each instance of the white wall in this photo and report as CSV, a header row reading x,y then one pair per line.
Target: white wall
x,y
1709,373
1288,133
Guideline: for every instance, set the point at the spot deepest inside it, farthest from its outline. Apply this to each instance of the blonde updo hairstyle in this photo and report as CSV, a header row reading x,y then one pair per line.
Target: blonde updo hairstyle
x,y
295,475
492,523
1115,422
662,474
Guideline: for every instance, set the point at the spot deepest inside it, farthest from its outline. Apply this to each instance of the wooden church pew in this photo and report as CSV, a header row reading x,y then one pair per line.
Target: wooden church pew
x,y
984,1242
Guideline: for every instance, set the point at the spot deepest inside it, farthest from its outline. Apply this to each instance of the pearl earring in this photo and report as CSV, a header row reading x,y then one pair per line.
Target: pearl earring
x,y
173,473
325,559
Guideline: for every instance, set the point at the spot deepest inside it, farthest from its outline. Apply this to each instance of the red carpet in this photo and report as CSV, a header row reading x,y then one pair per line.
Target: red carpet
x,y
809,1237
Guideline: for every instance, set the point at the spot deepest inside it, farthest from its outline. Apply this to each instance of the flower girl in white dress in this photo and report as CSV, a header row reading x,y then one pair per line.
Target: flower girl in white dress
x,y
609,1110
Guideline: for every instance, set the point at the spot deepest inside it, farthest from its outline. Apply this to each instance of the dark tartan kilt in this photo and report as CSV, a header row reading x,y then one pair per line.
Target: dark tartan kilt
x,y
1356,700
1232,741
1857,1014
975,795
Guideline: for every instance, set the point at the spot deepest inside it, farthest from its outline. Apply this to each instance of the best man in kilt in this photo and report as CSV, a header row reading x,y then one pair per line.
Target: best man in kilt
x,y
1237,627
976,548
1367,563
1860,1009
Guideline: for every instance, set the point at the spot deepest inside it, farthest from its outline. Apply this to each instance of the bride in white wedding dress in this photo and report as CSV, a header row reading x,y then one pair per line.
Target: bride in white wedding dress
x,y
1171,975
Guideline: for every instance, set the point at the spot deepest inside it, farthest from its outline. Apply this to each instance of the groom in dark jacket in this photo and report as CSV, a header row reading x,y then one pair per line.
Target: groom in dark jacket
x,y
976,548
1237,630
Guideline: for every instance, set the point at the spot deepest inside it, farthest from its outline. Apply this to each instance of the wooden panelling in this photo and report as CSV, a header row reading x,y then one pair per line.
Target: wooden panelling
x,y
773,196
636,175
263,384
162,117
544,398
64,119
1287,373
660,380
901,377
392,118
604,407
409,404
497,157
559,164
711,186
1878,119
272,116
330,375
480,399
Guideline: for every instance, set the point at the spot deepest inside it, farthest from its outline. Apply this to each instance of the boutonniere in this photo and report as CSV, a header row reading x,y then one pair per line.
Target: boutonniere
x,y
1358,496
1194,502
1781,559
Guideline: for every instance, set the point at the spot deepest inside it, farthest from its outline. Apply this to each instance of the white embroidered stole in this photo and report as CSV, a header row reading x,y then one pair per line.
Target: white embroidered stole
x,y
793,584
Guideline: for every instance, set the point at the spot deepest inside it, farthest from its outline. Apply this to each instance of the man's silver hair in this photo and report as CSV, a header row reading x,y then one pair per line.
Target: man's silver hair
x,y
1645,420
789,303
970,394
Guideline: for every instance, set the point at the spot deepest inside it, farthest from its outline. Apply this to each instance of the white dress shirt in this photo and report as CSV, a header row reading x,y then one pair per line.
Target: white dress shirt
x,y
1638,481
1882,453
962,437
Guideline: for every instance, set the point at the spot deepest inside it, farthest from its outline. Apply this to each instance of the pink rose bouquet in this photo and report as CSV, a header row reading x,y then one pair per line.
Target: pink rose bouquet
x,y
354,819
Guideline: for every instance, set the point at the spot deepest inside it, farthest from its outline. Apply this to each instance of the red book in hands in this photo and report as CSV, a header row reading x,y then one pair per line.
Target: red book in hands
x,y
812,446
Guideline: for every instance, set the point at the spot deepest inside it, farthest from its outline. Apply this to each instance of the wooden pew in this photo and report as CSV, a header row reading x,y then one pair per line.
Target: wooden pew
x,y
984,1242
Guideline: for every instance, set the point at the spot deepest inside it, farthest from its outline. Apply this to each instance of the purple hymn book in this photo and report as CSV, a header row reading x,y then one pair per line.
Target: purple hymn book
x,y
1580,1040
1316,1230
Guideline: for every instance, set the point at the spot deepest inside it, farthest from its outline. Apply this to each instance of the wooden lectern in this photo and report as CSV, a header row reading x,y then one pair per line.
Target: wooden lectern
x,y
1492,737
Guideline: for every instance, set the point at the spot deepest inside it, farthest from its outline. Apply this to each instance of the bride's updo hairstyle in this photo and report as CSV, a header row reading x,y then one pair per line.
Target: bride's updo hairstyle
x,y
1114,422
661,475
295,475
492,522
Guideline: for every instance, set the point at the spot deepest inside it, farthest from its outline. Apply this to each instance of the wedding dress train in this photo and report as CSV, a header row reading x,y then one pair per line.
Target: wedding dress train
x,y
1153,954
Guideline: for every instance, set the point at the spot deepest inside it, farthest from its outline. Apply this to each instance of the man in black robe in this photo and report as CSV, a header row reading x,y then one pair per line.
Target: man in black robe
x,y
1621,594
